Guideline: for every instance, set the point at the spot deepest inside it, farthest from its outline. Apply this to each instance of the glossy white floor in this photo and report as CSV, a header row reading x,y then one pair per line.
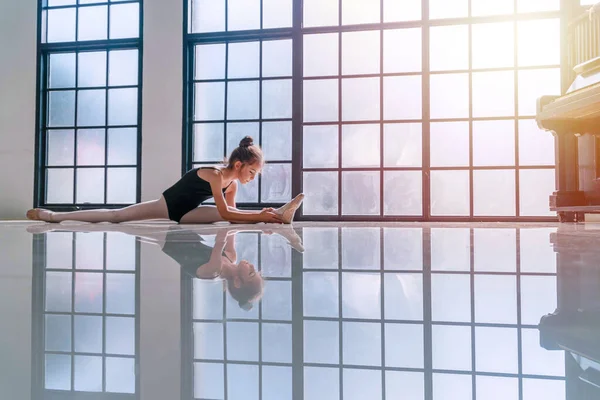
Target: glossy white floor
x,y
313,311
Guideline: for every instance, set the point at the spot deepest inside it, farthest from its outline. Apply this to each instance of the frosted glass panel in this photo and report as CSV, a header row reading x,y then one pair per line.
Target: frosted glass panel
x,y
360,193
402,193
90,147
360,52
243,60
62,70
60,147
321,191
360,145
90,185
451,298
321,294
408,384
209,381
535,187
358,301
536,147
538,42
277,57
124,21
209,101
276,183
496,350
123,67
448,8
360,12
490,288
449,47
487,7
208,15
243,14
54,3
93,23
91,69
320,100
61,25
543,5
59,250
452,348
406,353
121,185
405,10
120,335
502,103
242,341
320,12
91,108
88,334
120,375
88,292
404,296
536,83
402,50
361,250
277,99
58,372
122,106
120,251
320,54
495,250
361,384
242,100
61,110
89,250
210,61
122,146
277,13
402,97
362,343
493,143
58,333
320,146
59,186
120,293
321,342
360,99
321,382
449,96
208,340
208,142
493,44
277,343
450,193
277,140
449,144
494,193
88,374
402,145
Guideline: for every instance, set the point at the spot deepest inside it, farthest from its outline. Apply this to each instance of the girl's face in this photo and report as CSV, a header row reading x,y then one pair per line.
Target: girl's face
x,y
247,172
246,272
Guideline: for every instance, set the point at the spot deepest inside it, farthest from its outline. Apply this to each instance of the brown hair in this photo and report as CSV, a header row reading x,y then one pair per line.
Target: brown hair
x,y
247,294
247,153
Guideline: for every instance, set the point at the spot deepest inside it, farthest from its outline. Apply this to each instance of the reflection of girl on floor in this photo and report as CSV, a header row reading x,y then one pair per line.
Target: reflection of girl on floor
x,y
196,256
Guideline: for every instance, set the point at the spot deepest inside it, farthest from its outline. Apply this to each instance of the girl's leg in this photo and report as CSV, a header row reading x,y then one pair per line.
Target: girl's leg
x,y
154,209
202,215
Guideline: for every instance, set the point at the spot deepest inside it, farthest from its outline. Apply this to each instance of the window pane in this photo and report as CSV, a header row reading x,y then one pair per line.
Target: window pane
x,y
488,387
540,5
536,146
58,333
88,292
321,382
496,350
237,131
88,374
243,14
91,107
361,344
535,187
277,140
460,386
248,192
452,347
277,58
277,183
61,25
360,145
277,99
60,147
360,12
495,250
208,15
448,8
123,67
321,190
210,61
243,60
58,372
320,12
361,384
405,10
88,334
120,375
450,193
276,344
450,249
449,144
209,381
208,142
277,13
62,70
320,100
360,193
122,146
320,146
538,42
449,96
402,97
209,101
487,7
494,193
122,106
536,83
61,108
320,54
360,52
360,99
402,145
493,44
493,143
403,193
501,84
449,47
399,304
402,50
59,186
120,335
120,293
410,385
91,69
321,342
242,100
93,23
124,21
496,299
121,185
90,185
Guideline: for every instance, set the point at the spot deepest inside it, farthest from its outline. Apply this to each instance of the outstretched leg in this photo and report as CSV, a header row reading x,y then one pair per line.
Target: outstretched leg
x,y
288,210
154,209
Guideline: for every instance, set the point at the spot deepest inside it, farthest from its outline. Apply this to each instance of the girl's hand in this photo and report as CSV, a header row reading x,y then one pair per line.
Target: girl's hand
x,y
270,209
269,217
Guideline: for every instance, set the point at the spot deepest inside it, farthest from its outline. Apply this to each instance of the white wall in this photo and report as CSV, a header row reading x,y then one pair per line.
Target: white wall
x,y
18,30
161,101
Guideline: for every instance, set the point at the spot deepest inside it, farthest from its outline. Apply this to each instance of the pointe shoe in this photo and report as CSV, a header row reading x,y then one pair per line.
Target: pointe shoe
x,y
287,211
39,214
290,235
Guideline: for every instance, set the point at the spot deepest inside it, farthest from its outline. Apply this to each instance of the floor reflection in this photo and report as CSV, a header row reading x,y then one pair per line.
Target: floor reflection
x,y
325,312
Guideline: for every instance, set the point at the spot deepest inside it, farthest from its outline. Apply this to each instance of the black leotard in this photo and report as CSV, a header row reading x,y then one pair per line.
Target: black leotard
x,y
188,250
187,193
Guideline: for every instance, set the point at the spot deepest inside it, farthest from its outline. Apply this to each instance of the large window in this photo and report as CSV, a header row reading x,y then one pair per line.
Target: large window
x,y
395,110
89,115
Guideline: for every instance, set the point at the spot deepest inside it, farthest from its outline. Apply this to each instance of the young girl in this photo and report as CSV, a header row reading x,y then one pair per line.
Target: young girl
x,y
182,201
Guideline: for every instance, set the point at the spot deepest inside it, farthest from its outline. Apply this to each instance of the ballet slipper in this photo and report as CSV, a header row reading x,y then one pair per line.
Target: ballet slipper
x,y
288,211
39,214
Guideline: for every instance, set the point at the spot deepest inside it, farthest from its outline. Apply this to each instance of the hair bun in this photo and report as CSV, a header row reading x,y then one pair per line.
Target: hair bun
x,y
246,141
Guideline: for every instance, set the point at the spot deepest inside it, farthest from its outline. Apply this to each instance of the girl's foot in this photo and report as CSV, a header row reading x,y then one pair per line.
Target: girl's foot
x,y
287,211
39,214
290,235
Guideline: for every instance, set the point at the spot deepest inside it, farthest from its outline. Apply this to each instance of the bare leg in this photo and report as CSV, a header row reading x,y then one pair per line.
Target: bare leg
x,y
205,215
154,209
